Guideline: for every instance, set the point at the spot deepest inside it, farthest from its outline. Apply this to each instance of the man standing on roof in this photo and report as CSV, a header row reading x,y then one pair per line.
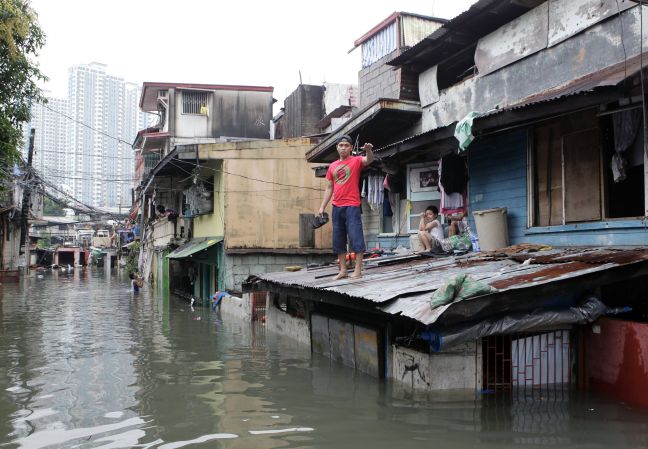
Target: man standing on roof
x,y
344,177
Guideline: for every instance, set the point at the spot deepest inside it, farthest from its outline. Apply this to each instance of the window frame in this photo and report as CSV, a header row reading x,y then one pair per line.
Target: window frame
x,y
605,221
185,97
429,196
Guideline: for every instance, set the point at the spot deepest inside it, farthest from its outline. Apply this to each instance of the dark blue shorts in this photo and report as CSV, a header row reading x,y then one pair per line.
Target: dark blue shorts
x,y
347,222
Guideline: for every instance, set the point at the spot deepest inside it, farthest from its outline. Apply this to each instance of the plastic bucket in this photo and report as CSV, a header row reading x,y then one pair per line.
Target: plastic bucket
x,y
492,228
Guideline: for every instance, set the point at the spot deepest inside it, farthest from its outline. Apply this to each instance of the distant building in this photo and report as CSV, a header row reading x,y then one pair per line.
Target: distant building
x,y
50,139
313,109
83,142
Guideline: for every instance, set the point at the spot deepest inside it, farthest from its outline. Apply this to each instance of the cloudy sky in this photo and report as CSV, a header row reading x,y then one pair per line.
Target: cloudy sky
x,y
246,42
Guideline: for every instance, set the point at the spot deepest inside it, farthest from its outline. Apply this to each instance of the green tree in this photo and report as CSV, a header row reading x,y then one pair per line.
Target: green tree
x,y
52,208
20,40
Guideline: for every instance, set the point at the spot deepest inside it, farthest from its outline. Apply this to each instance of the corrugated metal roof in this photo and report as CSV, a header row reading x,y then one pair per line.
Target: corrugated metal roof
x,y
194,246
403,286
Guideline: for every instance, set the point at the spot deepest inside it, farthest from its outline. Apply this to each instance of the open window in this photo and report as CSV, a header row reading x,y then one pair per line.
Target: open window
x,y
572,177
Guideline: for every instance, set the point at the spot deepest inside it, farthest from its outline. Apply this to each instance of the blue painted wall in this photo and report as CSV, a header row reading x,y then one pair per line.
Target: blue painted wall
x,y
497,167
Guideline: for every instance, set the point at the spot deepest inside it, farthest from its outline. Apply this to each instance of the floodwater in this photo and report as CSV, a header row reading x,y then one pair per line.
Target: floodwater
x,y
88,364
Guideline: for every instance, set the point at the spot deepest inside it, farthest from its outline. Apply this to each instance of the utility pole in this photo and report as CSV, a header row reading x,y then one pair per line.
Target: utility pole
x,y
24,216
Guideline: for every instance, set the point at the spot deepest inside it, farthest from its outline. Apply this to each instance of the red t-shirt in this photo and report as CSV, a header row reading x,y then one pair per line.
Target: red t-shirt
x,y
345,176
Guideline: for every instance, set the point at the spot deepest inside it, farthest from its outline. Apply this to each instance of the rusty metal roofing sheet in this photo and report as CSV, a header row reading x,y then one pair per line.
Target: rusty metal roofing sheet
x,y
404,286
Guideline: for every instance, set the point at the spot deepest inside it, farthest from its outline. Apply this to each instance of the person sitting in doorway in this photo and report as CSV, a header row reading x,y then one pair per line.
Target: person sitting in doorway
x,y
430,230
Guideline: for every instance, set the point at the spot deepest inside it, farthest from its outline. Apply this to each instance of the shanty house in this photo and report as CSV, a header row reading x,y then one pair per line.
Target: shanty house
x,y
222,201
552,94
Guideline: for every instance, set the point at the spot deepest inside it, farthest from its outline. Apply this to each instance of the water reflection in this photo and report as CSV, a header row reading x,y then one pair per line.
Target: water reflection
x,y
90,364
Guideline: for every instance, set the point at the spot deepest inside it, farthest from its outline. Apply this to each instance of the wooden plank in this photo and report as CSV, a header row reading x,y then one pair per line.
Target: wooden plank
x,y
548,175
582,191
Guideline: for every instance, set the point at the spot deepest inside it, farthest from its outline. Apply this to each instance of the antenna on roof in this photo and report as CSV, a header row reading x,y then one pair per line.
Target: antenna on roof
x,y
300,78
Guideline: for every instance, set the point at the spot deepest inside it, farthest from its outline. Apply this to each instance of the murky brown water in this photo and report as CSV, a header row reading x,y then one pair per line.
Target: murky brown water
x,y
87,364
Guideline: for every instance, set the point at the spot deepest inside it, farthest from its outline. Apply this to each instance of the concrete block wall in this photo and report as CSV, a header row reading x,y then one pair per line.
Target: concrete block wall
x,y
458,368
237,267
379,80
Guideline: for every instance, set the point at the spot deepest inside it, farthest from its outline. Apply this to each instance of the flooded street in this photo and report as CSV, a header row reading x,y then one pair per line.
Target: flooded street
x,y
88,364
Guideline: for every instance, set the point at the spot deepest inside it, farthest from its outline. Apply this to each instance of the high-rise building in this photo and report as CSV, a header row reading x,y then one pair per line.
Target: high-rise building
x,y
83,143
50,142
104,121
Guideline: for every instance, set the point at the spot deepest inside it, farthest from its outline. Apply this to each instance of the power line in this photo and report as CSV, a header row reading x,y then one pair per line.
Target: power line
x,y
85,154
87,126
248,177
88,178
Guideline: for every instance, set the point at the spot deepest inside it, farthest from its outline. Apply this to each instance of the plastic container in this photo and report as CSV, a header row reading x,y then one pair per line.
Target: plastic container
x,y
492,228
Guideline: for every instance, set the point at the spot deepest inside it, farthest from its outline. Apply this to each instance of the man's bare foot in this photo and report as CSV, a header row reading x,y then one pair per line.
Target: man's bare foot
x,y
355,276
340,275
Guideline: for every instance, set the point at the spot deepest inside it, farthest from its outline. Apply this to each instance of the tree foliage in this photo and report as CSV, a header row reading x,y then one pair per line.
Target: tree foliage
x,y
51,208
20,40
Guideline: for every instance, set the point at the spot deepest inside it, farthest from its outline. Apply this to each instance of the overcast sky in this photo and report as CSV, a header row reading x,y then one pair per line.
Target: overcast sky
x,y
245,42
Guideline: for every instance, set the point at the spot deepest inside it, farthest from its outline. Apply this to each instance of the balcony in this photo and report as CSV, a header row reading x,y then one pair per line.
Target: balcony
x,y
167,231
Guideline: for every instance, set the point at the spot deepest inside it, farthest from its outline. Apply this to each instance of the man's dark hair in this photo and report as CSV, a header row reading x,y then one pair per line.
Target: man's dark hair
x,y
434,209
131,275
345,138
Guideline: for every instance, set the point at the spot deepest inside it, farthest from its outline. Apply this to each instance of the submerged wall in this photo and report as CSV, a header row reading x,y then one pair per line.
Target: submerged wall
x,y
458,368
617,359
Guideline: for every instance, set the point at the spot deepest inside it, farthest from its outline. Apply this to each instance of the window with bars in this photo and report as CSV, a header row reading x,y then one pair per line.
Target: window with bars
x,y
195,102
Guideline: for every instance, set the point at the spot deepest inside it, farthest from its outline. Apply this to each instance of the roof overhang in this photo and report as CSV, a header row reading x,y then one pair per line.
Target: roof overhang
x,y
484,17
150,90
376,122
194,246
335,113
592,90
153,140
396,288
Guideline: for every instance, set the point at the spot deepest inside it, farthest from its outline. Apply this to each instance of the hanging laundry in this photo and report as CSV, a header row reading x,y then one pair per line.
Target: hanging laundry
x,y
463,130
387,209
375,190
452,202
625,125
453,173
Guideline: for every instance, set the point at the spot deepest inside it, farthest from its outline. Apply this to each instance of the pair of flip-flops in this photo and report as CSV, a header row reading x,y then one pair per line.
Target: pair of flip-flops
x,y
319,220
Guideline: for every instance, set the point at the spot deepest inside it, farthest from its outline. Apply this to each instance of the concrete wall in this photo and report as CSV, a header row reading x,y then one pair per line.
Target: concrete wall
x,y
617,359
261,187
304,109
279,322
230,114
378,81
237,307
267,184
237,267
459,368
211,225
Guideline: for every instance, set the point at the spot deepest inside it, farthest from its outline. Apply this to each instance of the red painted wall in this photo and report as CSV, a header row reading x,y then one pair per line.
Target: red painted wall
x,y
617,360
